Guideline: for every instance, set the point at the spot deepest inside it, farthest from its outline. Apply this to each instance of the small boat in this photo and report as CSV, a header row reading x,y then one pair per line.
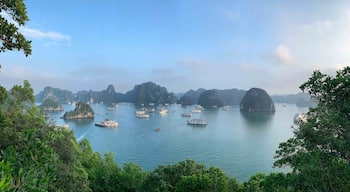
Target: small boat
x,y
196,111
157,129
111,108
197,122
226,108
199,107
186,114
107,123
163,111
142,114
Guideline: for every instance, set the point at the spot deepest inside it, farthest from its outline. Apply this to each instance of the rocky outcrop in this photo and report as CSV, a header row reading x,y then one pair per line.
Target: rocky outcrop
x,y
63,96
190,97
147,93
231,96
108,96
210,99
257,100
81,111
50,104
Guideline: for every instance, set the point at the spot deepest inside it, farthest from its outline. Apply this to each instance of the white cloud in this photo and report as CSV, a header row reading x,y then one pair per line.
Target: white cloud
x,y
51,35
38,34
283,54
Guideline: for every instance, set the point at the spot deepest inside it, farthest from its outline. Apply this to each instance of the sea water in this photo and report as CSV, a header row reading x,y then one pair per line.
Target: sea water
x,y
240,144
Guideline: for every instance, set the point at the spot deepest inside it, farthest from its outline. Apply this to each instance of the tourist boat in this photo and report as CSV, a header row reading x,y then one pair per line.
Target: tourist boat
x,y
107,123
157,129
163,111
186,114
196,111
141,114
226,108
110,108
197,122
199,107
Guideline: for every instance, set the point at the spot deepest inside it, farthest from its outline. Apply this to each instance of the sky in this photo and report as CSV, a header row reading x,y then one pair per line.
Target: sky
x,y
179,44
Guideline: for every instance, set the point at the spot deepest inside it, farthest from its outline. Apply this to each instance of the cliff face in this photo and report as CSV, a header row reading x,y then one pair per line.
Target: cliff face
x,y
190,97
210,99
257,100
51,104
81,111
147,93
63,96
107,96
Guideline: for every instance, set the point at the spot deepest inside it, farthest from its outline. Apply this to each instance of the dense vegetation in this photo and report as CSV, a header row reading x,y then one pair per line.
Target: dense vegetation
x,y
63,96
81,111
51,104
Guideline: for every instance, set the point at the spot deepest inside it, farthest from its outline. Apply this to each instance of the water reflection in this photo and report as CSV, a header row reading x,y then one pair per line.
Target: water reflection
x,y
257,119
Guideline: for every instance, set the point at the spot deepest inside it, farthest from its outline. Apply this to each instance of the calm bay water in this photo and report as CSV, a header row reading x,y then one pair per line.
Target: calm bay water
x,y
241,145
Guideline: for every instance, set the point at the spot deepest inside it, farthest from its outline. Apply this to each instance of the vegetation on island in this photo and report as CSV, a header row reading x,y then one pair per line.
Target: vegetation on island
x,y
81,111
210,99
257,100
62,96
39,156
51,104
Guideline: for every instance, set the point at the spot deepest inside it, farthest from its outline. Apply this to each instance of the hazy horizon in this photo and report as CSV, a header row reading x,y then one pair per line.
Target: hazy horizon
x,y
180,45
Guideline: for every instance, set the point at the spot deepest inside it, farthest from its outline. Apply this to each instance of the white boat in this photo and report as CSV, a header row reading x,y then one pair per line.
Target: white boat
x,y
107,123
197,122
186,114
196,111
142,114
199,107
163,111
226,108
110,108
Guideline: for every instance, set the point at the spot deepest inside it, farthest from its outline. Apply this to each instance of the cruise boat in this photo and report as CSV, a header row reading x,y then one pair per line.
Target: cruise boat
x,y
142,114
107,123
163,111
196,111
186,114
199,107
197,122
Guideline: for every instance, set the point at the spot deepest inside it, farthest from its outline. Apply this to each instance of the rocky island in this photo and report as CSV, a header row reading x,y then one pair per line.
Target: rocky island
x,y
51,104
81,111
257,100
210,99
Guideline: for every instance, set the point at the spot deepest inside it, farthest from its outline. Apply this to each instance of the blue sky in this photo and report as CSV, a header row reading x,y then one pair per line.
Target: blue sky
x,y
180,44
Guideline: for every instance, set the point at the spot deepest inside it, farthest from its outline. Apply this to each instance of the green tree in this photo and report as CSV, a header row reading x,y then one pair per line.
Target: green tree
x,y
10,37
319,152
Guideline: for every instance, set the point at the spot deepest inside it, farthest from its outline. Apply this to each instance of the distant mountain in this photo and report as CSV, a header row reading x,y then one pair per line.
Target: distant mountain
x,y
51,104
210,99
147,93
300,99
190,97
257,100
107,96
231,96
150,92
62,96
227,96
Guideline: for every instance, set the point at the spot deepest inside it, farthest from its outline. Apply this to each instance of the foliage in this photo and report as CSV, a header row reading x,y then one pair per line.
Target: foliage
x,y
81,110
319,152
50,104
11,38
188,176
